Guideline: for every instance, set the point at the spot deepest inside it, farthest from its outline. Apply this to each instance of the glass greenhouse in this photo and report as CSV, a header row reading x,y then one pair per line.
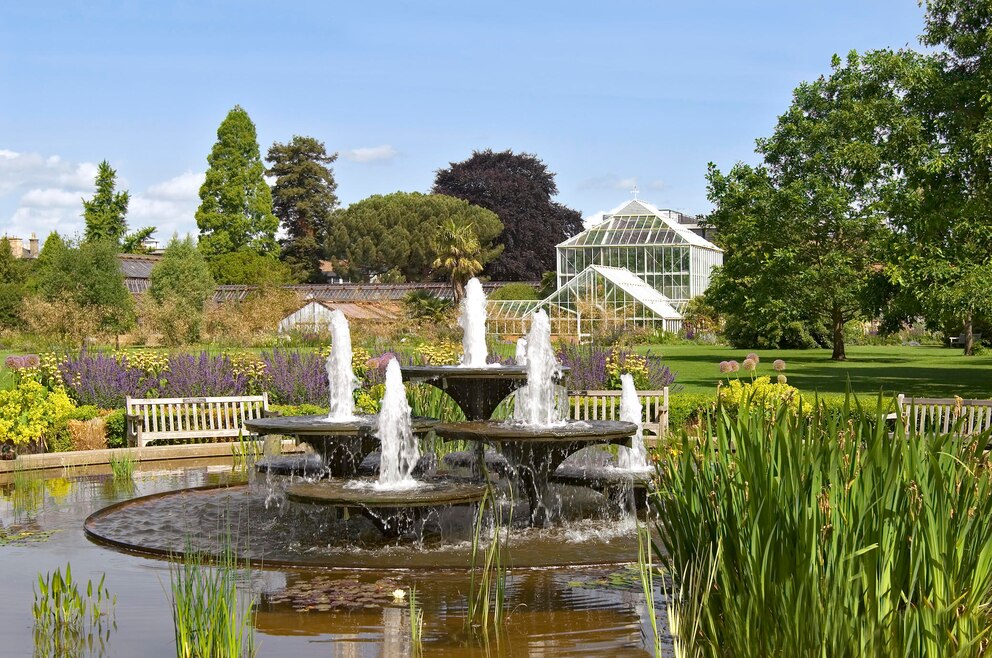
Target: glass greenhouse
x,y
638,267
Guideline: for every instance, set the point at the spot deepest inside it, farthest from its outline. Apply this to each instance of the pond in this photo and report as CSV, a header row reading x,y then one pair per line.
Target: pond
x,y
318,610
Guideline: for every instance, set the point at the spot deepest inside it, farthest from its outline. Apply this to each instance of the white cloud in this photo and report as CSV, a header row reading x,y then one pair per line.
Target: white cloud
x,y
51,197
366,154
184,187
608,182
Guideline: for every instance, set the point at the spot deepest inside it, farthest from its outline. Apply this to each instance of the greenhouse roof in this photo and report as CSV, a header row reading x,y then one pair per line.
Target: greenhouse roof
x,y
627,281
637,223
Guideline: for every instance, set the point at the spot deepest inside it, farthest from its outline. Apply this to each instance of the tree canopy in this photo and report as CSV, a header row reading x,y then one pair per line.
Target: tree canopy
x,y
106,213
398,234
519,188
303,199
235,210
182,281
13,277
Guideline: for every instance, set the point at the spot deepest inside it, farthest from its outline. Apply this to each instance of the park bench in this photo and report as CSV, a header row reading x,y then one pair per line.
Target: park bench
x,y
957,341
170,419
942,414
605,405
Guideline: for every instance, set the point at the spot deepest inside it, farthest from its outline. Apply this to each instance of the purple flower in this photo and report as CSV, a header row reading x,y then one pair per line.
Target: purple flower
x,y
189,376
725,367
753,357
103,381
295,377
23,361
587,367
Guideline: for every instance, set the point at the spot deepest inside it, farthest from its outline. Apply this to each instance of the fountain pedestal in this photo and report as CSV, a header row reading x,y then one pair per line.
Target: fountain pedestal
x,y
478,391
534,453
342,445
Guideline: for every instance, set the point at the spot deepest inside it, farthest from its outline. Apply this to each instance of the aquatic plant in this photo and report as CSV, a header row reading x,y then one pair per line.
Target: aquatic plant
x,y
245,451
122,465
487,577
646,570
64,620
416,613
209,617
821,534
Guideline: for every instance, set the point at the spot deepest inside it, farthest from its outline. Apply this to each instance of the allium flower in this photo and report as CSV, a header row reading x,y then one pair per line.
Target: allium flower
x,y
779,365
22,362
725,366
782,379
749,364
734,366
753,357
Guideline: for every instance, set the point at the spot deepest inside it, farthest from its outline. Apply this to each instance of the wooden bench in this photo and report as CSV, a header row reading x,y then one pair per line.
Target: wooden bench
x,y
942,414
605,405
161,419
957,341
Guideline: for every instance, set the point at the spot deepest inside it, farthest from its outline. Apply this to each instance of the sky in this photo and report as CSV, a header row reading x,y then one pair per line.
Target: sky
x,y
608,94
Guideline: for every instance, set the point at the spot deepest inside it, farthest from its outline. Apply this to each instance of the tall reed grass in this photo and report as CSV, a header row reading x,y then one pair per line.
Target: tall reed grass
x,y
416,625
122,465
487,578
66,623
826,534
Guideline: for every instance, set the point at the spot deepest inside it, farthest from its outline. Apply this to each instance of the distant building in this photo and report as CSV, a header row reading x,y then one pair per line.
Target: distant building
x,y
19,249
315,316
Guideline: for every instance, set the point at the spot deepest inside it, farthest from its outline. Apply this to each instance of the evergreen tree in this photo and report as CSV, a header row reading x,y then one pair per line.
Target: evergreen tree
x,y
459,254
303,199
519,188
235,210
13,275
105,213
182,279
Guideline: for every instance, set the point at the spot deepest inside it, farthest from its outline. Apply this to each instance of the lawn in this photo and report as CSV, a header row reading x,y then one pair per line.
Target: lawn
x,y
920,371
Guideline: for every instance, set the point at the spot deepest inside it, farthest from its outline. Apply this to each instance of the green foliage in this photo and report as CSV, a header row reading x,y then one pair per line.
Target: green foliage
x,y
64,620
817,536
459,254
687,409
85,412
487,575
209,617
422,305
105,213
13,277
182,280
758,393
31,414
303,199
249,268
402,231
122,466
514,291
549,283
235,210
519,188
88,275
116,426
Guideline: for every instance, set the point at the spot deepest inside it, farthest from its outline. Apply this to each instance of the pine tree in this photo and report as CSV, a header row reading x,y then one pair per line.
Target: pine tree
x,y
303,199
235,210
105,213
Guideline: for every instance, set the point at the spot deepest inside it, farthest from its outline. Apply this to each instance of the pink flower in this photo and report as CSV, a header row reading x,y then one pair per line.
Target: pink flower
x,y
749,364
779,365
725,366
734,366
753,357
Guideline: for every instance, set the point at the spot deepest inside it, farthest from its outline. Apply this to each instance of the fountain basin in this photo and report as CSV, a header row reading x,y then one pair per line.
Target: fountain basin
x,y
478,391
342,444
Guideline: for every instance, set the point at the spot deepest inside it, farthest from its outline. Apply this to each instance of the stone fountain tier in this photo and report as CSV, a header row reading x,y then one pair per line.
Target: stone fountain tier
x,y
307,465
534,453
615,483
342,444
478,391
393,511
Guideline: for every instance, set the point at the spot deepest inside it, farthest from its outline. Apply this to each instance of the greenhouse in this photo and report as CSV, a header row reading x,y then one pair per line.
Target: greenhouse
x,y
638,267
650,243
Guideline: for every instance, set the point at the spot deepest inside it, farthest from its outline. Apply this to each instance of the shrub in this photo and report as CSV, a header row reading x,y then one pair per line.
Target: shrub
x,y
513,291
30,414
597,368
761,392
102,380
688,409
116,425
422,305
201,376
792,535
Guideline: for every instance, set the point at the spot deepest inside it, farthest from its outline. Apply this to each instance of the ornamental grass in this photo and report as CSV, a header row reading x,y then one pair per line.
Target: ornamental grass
x,y
825,534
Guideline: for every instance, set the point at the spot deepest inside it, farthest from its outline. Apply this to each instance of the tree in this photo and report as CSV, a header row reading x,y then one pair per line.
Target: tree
x,y
458,253
181,282
235,210
13,276
397,234
248,268
89,276
803,239
519,189
106,214
944,203
303,199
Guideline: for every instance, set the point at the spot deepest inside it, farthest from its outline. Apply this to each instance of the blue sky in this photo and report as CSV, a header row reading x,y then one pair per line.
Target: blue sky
x,y
606,93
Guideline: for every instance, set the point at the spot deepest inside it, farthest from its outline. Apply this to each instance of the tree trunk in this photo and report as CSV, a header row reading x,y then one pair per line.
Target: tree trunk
x,y
459,289
969,335
837,317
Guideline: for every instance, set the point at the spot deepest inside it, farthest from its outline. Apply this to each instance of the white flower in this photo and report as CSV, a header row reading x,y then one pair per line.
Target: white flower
x,y
399,594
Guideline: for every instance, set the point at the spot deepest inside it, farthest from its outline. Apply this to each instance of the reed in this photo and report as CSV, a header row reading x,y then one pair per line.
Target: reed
x,y
822,534
646,570
210,618
66,622
487,578
122,465
245,452
416,625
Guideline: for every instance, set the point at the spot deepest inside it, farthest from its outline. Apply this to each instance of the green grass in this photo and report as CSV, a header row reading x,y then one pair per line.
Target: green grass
x,y
921,371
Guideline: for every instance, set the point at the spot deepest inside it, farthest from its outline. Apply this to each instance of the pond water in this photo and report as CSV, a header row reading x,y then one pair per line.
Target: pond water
x,y
561,611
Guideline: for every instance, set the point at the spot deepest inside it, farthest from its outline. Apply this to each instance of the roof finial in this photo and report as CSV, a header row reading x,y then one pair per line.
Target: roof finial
x,y
634,191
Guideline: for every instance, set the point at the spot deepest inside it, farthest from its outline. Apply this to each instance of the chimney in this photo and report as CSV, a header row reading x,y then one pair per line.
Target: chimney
x,y
33,248
16,247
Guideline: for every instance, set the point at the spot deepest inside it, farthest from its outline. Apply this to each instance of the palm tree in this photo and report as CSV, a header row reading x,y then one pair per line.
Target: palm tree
x,y
459,254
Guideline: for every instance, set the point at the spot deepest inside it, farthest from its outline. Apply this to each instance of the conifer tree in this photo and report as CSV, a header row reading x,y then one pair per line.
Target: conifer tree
x,y
105,213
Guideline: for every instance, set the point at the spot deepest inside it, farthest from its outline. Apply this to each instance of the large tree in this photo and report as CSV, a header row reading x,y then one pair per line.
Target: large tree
x,y
806,246
303,199
106,213
235,210
397,235
519,188
459,254
181,282
13,277
945,203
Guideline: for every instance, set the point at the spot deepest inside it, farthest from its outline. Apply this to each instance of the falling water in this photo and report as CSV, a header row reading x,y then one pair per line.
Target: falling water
x,y
520,358
341,378
536,403
636,457
472,320
400,451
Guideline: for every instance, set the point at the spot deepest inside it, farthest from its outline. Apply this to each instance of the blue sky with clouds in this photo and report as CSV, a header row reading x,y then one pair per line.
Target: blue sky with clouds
x,y
608,94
